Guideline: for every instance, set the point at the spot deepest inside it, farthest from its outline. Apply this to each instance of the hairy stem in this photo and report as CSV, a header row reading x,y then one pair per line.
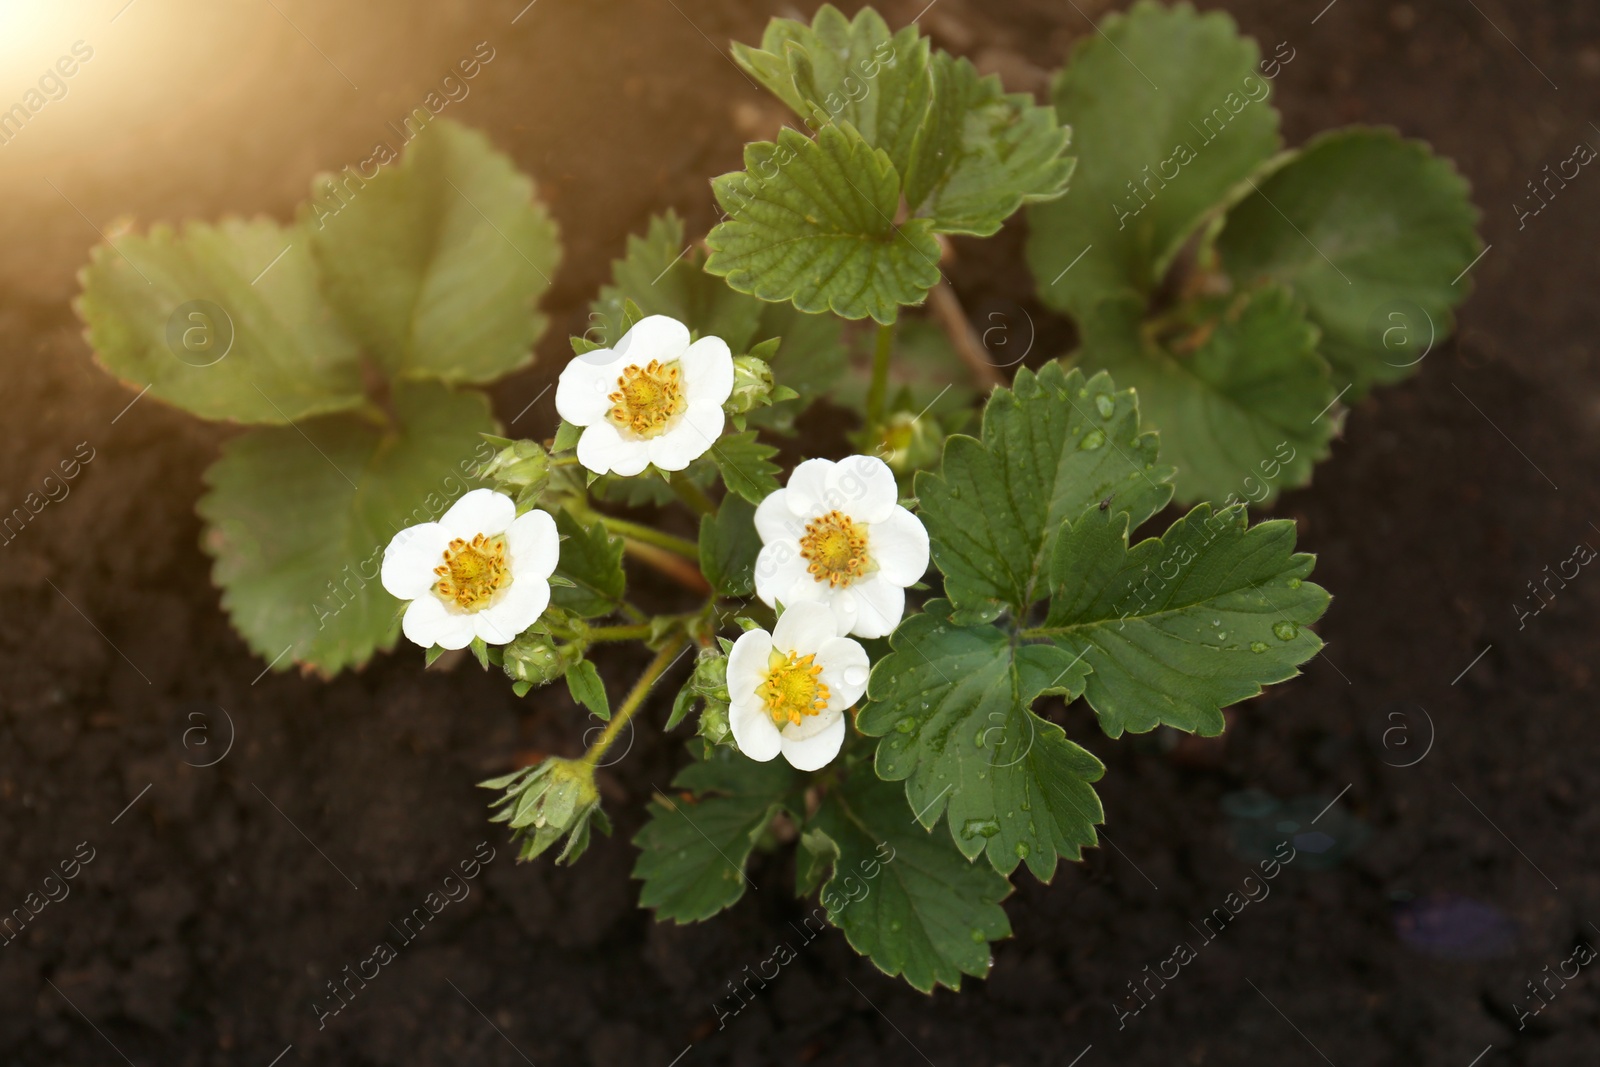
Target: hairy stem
x,y
633,531
619,633
879,389
692,495
635,699
670,564
947,310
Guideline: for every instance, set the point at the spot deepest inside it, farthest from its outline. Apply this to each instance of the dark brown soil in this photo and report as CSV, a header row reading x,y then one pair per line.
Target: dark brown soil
x,y
220,899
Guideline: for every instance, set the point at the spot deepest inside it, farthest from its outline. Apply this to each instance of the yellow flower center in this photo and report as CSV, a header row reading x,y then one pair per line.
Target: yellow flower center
x,y
647,398
835,549
472,572
793,688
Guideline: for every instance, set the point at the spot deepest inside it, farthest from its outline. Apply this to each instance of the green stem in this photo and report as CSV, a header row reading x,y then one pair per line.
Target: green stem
x,y
692,495
635,699
879,389
619,633
671,564
682,546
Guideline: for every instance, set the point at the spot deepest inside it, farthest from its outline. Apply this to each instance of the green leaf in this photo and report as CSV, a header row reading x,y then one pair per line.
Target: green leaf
x,y
1178,627
746,465
729,545
225,321
1168,115
1241,400
904,897
1052,445
952,706
584,683
566,438
983,152
591,559
298,518
1373,232
438,263
858,72
662,275
812,222
693,852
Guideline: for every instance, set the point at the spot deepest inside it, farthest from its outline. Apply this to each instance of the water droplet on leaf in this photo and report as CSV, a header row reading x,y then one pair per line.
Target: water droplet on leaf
x,y
1258,646
1092,440
1104,406
1285,631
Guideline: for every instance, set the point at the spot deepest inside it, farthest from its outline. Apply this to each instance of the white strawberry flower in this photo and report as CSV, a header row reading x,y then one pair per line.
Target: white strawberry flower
x,y
837,536
788,690
480,571
654,398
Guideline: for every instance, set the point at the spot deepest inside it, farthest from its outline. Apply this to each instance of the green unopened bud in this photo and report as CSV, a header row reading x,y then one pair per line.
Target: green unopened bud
x,y
710,678
522,465
909,442
536,658
557,799
714,724
752,385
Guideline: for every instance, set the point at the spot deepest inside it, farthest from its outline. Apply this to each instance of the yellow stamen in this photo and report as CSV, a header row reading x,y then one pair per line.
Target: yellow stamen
x,y
835,549
647,398
793,688
472,572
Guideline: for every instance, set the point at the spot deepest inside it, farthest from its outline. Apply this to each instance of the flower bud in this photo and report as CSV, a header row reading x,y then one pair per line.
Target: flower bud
x,y
536,658
710,683
559,798
752,385
909,442
522,464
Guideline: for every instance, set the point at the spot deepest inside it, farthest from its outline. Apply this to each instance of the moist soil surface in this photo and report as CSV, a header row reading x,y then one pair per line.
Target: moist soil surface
x,y
252,832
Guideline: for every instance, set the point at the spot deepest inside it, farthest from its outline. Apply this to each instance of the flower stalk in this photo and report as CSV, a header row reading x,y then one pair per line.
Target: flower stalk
x,y
878,390
635,698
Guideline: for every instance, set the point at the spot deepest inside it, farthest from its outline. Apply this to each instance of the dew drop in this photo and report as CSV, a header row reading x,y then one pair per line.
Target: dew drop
x,y
1092,440
1221,636
976,827
906,725
1104,406
895,925
1294,583
1258,646
1285,631
977,936
855,675
1022,850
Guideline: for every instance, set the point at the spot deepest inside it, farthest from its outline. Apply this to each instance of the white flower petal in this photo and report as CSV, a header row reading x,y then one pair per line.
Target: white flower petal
x,y
708,371
898,544
533,544
482,511
427,623
513,611
603,450
803,628
409,560
863,487
808,488
755,732
842,602
696,431
774,520
780,571
845,668
816,751
747,666
653,337
879,605
585,386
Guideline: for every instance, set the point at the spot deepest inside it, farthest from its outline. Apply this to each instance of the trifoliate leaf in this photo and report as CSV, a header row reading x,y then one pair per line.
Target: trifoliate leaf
x,y
1178,627
1240,398
591,559
438,262
1168,115
856,71
746,465
905,898
298,518
694,848
983,152
812,222
729,546
1052,445
661,273
583,682
225,321
1373,232
952,706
